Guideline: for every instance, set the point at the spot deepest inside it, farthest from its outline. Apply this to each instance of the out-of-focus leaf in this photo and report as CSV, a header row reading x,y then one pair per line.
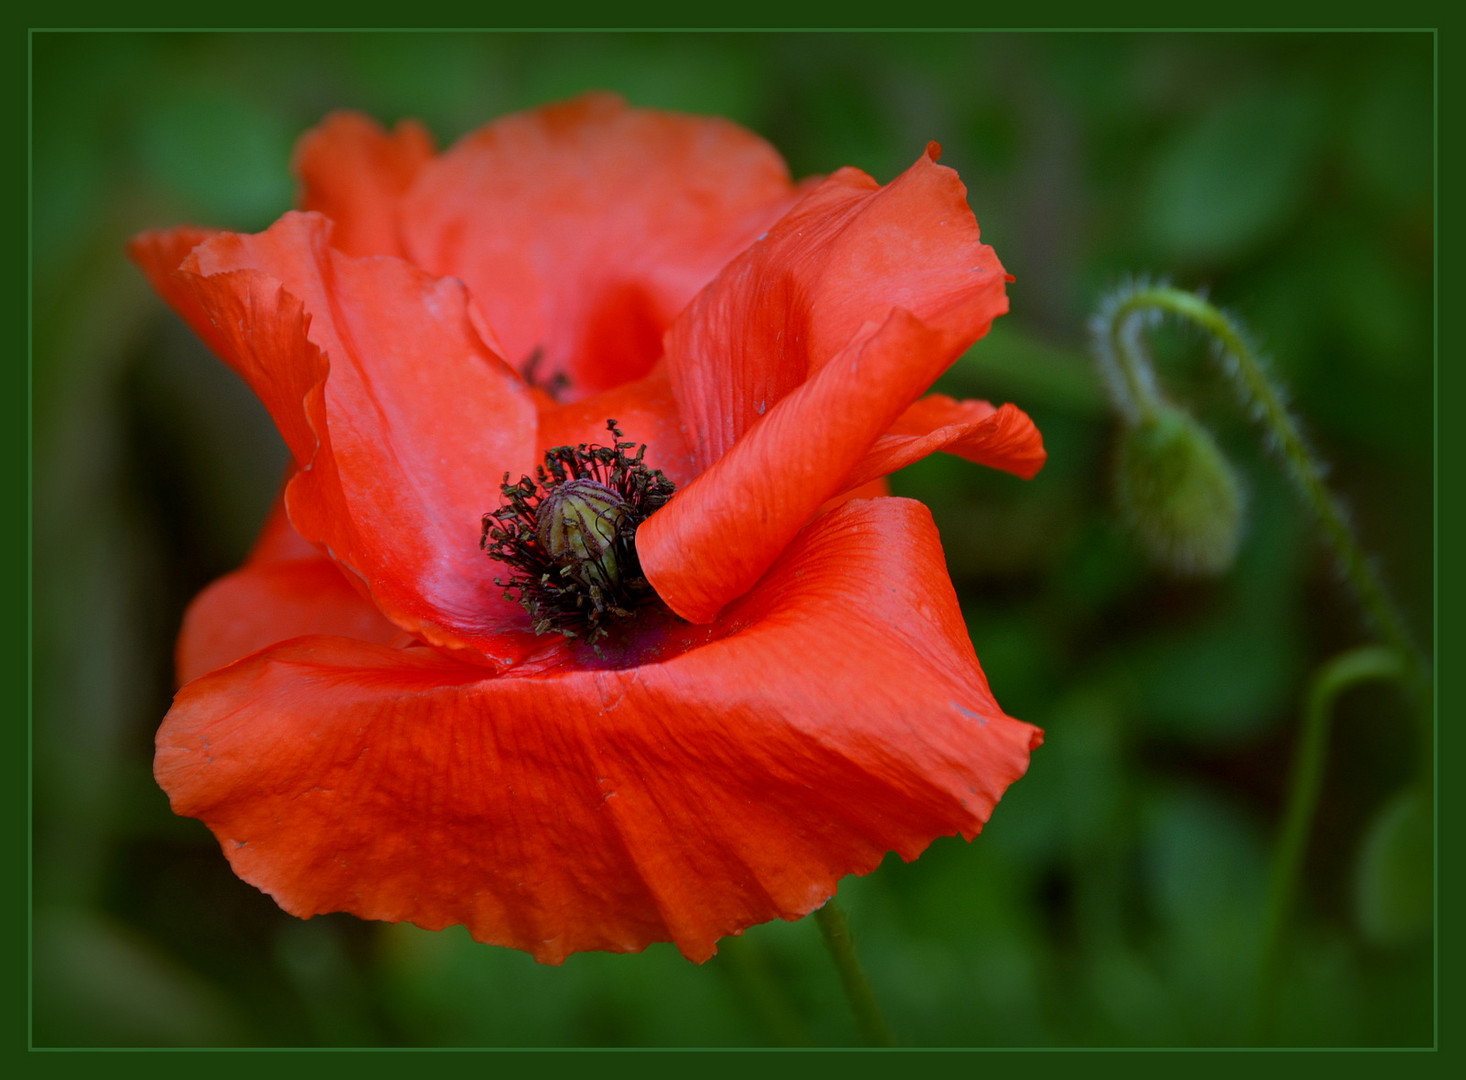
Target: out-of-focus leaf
x,y
1204,862
1376,306
1012,365
1226,183
1219,684
1135,1002
1070,798
225,155
1205,877
1395,876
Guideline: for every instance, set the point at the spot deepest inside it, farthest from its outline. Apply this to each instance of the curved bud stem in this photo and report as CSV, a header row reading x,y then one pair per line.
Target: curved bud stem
x,y
1117,330
1120,350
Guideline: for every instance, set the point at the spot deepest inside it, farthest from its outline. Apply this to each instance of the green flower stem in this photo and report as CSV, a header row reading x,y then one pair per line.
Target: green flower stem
x,y
1262,396
836,932
1364,664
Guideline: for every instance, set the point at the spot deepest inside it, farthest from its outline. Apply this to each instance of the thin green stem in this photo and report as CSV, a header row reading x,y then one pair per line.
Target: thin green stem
x,y
1242,365
1364,664
836,931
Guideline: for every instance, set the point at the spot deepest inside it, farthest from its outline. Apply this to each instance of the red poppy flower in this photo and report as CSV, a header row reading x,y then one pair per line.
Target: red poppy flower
x,y
368,724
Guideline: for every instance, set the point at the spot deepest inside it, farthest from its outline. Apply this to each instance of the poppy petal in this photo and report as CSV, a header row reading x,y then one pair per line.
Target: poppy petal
x,y
682,801
278,541
646,413
721,532
264,603
584,228
285,589
1002,438
842,258
352,171
401,448
248,321
879,488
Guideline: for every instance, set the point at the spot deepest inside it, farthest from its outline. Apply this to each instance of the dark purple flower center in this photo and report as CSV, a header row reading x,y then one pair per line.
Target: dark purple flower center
x,y
569,535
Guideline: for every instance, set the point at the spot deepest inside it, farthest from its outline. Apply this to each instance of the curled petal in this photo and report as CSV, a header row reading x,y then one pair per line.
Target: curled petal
x,y
354,173
721,533
1002,438
583,228
402,422
608,809
845,256
250,322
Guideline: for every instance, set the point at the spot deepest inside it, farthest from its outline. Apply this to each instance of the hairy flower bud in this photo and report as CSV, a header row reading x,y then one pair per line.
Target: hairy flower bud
x,y
1178,493
578,523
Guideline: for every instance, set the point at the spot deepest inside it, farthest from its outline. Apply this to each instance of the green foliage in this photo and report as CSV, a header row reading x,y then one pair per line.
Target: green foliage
x,y
1231,179
1115,898
1394,882
102,984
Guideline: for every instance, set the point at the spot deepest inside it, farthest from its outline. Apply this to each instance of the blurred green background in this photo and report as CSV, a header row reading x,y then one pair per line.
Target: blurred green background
x,y
1117,896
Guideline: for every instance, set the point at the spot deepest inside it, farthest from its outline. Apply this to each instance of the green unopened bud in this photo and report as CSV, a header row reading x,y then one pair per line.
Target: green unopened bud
x,y
1178,494
577,527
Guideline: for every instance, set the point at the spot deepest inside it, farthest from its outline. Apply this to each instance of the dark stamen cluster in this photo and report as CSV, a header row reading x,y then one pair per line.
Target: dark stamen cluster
x,y
570,535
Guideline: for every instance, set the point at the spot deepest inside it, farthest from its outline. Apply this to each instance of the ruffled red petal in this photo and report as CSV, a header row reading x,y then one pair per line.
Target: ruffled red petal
x,y
354,172
721,533
401,447
583,228
841,715
646,413
248,321
842,258
1002,438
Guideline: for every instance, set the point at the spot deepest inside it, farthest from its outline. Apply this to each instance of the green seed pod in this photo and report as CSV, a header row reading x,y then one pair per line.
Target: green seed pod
x,y
1178,494
577,527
